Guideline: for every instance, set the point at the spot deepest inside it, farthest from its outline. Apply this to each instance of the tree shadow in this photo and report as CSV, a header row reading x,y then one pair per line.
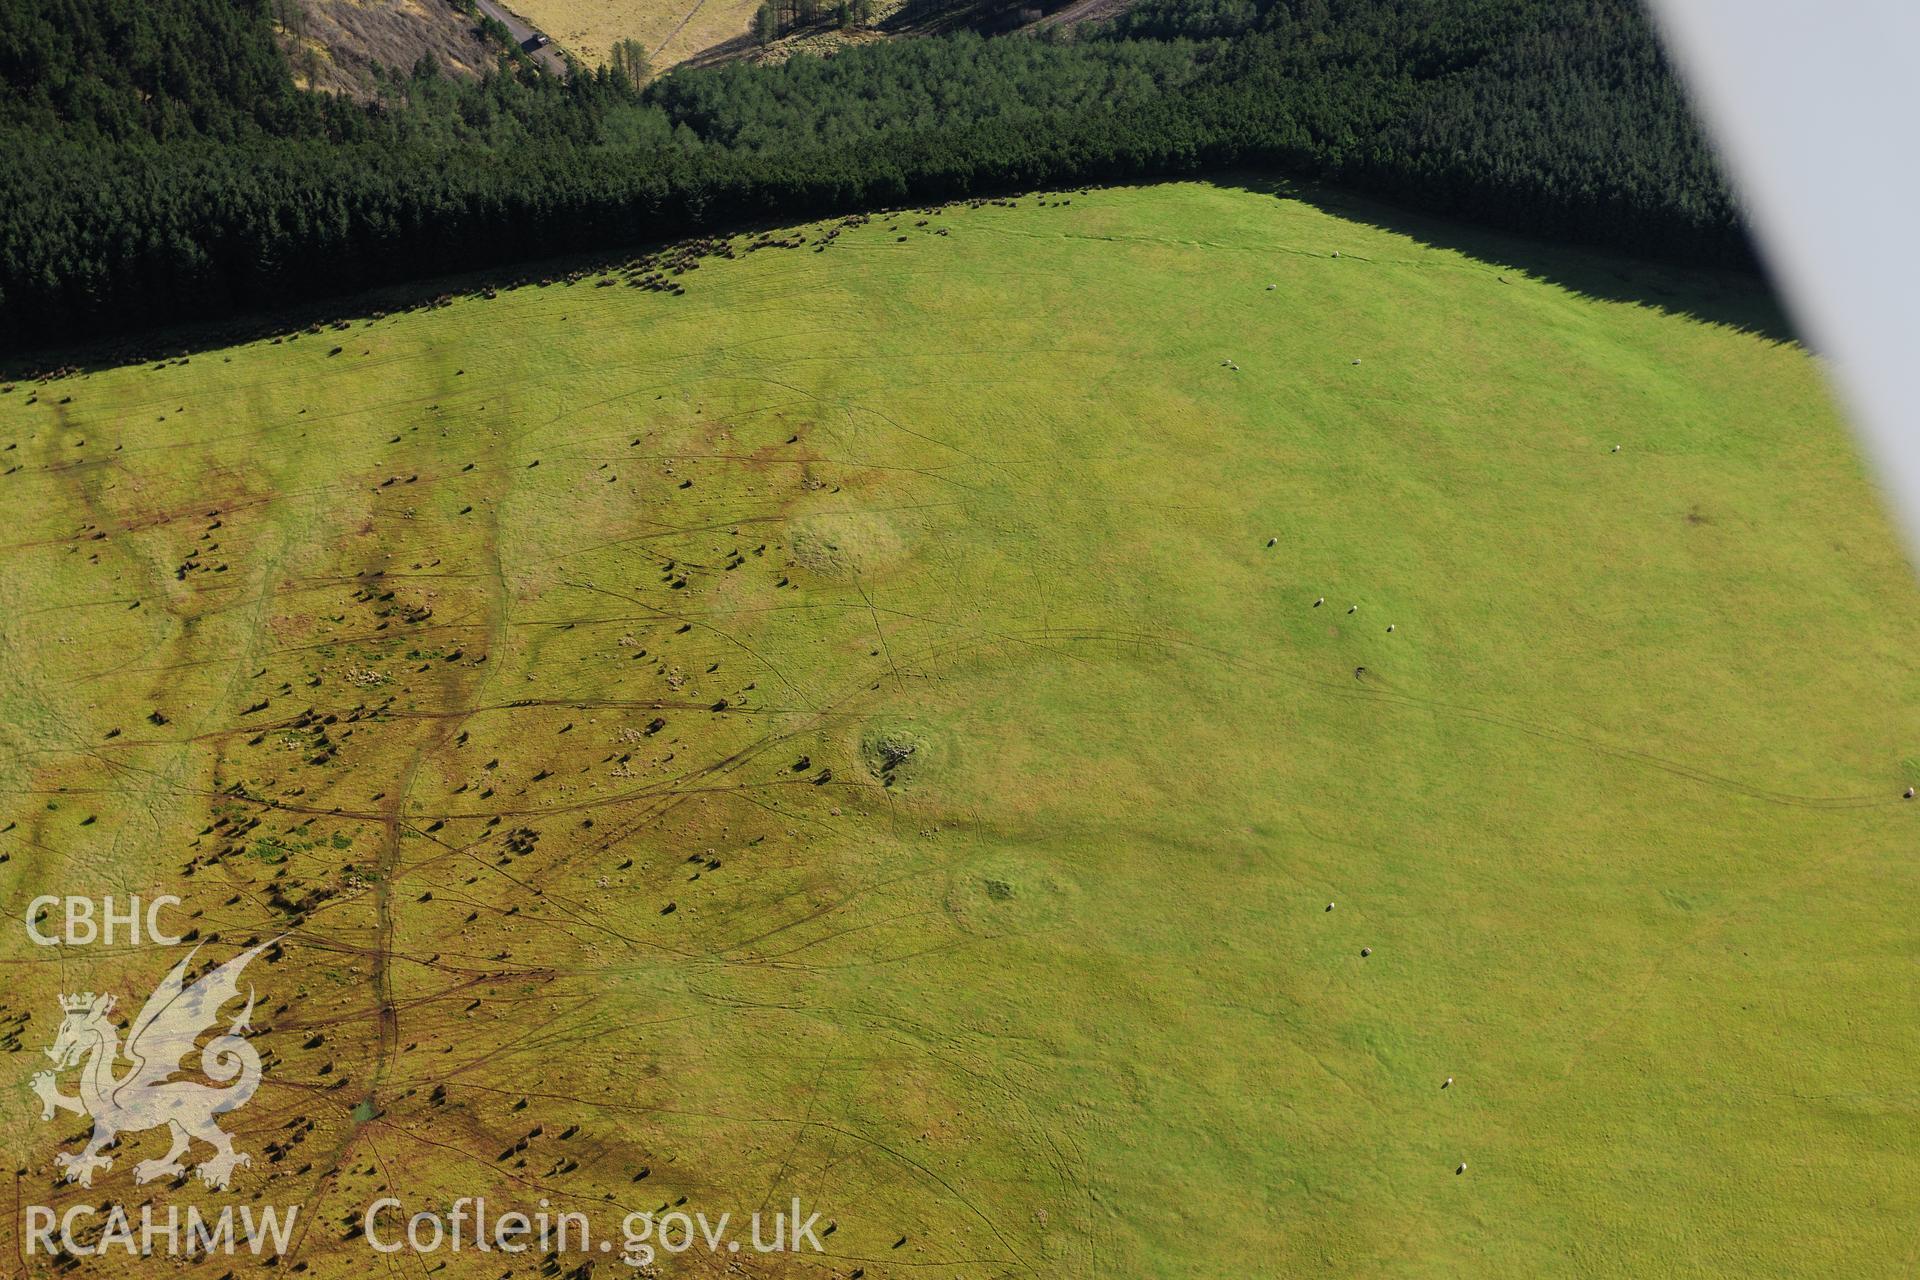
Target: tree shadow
x,y
1738,300
731,49
1716,295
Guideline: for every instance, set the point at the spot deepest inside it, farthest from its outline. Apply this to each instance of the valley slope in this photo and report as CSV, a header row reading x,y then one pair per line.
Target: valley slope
x,y
863,728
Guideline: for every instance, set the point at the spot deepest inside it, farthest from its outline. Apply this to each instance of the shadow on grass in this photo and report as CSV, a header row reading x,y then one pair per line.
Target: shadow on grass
x,y
1739,300
322,315
1716,295
729,50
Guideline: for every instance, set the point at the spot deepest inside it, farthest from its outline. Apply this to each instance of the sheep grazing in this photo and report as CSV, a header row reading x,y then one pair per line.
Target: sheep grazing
x,y
1616,448
1329,906
1366,951
1908,794
1389,628
1317,603
1271,541
1448,1083
1353,608
1462,1169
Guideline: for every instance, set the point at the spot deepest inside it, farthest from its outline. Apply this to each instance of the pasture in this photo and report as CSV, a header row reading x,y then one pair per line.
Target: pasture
x,y
672,33
858,727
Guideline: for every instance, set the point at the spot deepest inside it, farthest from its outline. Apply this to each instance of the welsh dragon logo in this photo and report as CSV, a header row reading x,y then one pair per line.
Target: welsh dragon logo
x,y
145,1095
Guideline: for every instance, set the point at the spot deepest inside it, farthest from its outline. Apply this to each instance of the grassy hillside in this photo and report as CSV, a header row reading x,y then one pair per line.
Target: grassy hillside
x,y
863,730
672,31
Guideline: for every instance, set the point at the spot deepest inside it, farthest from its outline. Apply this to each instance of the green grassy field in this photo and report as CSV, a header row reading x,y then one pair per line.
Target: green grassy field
x,y
903,616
